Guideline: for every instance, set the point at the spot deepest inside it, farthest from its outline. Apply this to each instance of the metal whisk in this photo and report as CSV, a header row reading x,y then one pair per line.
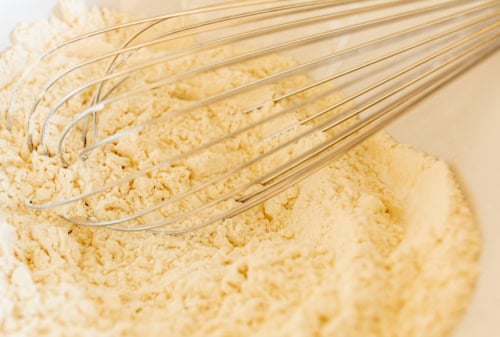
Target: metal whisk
x,y
385,56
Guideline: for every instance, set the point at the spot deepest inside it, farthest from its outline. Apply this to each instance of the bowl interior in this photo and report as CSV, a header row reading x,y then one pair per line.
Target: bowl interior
x,y
460,124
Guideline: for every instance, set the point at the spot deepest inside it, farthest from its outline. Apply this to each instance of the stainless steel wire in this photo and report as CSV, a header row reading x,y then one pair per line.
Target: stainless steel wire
x,y
398,53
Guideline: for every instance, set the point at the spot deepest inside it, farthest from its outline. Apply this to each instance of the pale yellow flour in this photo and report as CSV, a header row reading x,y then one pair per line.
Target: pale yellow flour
x,y
380,243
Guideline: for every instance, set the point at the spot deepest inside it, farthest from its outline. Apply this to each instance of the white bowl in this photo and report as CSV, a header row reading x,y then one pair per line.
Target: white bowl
x,y
460,124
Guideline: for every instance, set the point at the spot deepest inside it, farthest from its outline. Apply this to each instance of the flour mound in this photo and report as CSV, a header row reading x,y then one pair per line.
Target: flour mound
x,y
379,243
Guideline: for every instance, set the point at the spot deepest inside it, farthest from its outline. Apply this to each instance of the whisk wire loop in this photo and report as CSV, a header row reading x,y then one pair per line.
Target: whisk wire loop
x,y
437,41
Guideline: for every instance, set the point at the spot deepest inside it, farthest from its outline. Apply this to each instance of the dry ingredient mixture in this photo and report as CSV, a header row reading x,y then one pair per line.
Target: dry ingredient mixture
x,y
379,243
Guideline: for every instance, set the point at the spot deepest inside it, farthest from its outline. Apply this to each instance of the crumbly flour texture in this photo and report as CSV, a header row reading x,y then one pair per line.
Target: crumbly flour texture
x,y
380,243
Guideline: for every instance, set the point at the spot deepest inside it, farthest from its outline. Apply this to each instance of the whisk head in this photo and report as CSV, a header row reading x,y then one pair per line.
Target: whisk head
x,y
195,117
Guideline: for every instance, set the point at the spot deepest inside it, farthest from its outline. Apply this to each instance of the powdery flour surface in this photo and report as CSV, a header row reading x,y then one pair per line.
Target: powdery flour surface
x,y
379,243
